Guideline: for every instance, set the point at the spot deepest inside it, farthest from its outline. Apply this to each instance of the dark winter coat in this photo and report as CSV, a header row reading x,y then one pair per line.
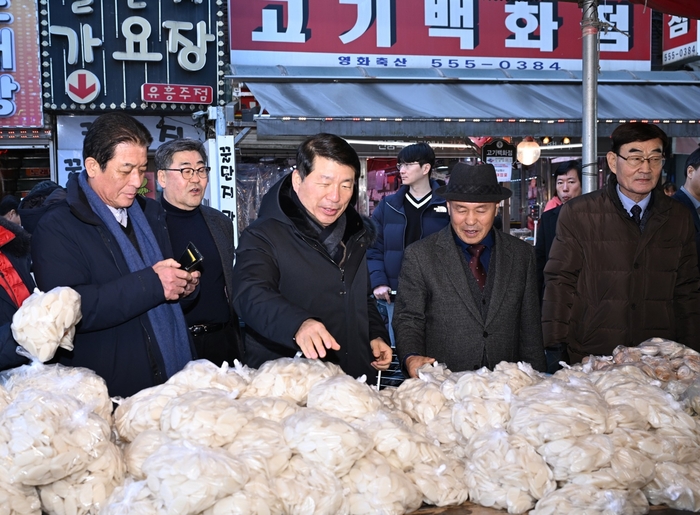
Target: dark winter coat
x,y
681,196
546,231
284,276
72,247
608,284
17,252
385,255
437,314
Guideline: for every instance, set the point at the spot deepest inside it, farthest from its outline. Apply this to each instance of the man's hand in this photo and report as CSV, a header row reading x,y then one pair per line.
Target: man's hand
x,y
382,292
313,339
191,285
175,281
413,363
382,353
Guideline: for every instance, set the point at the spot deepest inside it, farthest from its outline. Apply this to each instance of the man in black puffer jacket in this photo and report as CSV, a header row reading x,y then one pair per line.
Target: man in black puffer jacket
x,y
301,281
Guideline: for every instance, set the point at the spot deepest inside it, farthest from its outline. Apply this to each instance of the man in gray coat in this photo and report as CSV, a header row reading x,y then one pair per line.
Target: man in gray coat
x,y
468,293
211,319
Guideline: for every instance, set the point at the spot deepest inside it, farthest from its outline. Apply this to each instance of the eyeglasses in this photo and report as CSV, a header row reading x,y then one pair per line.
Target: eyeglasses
x,y
637,161
187,173
405,165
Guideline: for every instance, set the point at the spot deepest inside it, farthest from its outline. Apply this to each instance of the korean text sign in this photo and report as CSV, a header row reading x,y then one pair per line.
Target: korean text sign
x,y
680,40
98,55
512,34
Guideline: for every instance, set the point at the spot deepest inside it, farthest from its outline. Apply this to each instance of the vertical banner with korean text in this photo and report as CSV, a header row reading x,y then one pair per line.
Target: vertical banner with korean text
x,y
135,55
20,86
460,34
222,179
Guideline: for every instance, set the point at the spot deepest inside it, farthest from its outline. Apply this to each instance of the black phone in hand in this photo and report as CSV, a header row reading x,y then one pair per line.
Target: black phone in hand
x,y
191,258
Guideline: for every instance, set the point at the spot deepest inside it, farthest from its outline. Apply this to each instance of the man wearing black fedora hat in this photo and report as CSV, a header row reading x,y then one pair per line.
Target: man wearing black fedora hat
x,y
468,294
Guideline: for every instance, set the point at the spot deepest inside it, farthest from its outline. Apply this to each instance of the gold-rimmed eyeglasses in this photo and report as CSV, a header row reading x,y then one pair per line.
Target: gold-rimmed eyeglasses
x,y
405,165
187,173
637,161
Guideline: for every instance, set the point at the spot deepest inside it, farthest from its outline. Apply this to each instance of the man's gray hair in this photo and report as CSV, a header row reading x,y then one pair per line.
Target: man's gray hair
x,y
165,152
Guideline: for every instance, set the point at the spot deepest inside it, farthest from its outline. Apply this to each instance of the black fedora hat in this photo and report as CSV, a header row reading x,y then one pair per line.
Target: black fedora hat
x,y
473,184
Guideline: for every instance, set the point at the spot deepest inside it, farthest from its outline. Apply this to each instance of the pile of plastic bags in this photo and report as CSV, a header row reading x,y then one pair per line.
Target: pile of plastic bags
x,y
298,436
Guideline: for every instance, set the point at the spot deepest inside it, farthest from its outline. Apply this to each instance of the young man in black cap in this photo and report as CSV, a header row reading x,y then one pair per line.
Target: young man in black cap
x,y
468,294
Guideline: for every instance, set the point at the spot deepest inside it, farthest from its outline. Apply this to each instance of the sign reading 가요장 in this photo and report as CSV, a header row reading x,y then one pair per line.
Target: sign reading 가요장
x,y
680,40
466,34
115,48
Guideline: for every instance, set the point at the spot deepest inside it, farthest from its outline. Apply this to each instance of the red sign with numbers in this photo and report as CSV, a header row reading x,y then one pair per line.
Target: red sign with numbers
x,y
176,94
486,34
680,41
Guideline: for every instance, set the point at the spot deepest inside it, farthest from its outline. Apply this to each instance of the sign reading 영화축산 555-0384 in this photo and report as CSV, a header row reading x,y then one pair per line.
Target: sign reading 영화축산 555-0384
x,y
98,54
535,35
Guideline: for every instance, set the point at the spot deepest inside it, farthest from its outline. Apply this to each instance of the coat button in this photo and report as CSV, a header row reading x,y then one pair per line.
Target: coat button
x,y
633,306
485,334
636,265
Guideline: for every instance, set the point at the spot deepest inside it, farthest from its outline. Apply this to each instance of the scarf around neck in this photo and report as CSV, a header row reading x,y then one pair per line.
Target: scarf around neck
x,y
167,321
331,237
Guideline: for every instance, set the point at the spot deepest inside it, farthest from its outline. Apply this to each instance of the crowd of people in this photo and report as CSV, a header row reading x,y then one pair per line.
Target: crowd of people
x,y
427,278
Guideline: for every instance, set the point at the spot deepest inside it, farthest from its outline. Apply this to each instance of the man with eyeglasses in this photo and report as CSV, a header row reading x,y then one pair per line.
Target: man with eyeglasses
x,y
623,266
183,175
412,213
111,245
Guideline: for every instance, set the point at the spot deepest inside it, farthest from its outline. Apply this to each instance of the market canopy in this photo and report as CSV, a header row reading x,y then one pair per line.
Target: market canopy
x,y
491,102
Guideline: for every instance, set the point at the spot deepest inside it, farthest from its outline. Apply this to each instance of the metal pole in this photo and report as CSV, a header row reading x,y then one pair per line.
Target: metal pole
x,y
589,29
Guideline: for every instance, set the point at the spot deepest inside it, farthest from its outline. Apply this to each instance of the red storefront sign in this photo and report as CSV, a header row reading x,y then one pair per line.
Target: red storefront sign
x,y
177,93
680,40
461,34
20,84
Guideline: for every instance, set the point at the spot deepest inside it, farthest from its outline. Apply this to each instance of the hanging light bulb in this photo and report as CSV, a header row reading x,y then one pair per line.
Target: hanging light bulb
x,y
546,140
528,151
566,140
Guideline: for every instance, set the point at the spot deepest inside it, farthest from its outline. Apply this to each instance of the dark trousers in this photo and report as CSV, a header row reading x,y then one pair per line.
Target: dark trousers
x,y
218,346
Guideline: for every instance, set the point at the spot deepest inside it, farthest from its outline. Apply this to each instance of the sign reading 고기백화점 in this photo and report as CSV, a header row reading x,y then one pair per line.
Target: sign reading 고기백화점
x,y
501,155
680,40
126,55
458,34
20,88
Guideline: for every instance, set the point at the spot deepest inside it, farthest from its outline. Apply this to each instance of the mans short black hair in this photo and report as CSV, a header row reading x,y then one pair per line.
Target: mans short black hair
x,y
636,131
110,130
330,147
693,160
421,153
8,203
564,168
166,151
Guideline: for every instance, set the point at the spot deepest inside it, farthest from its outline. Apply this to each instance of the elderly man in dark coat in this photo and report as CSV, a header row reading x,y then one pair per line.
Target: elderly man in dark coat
x,y
623,267
301,281
468,294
